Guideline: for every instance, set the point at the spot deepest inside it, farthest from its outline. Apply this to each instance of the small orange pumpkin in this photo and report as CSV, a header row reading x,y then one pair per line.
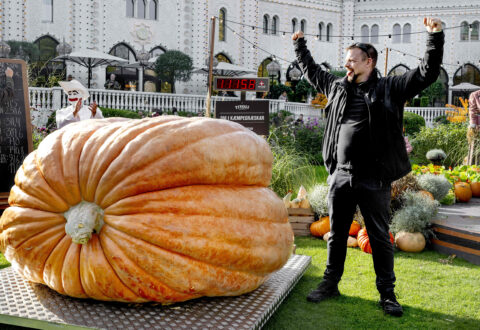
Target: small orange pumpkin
x,y
320,227
475,186
364,241
354,228
427,193
463,192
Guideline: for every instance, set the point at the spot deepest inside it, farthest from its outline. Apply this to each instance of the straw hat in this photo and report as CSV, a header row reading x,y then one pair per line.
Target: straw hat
x,y
75,85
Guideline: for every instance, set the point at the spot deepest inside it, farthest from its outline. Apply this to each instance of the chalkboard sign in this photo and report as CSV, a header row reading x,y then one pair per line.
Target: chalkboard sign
x,y
15,127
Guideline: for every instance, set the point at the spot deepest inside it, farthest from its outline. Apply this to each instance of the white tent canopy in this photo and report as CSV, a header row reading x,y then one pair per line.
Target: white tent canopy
x,y
90,59
226,70
465,87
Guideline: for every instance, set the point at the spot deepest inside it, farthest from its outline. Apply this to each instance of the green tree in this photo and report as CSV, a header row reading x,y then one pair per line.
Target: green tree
x,y
173,65
434,91
25,49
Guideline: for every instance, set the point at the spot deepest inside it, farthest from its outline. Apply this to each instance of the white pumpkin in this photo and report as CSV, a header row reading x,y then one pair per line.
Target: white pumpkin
x,y
352,242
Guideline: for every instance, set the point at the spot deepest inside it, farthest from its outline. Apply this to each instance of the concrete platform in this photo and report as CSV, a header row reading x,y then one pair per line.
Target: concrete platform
x,y
33,305
457,228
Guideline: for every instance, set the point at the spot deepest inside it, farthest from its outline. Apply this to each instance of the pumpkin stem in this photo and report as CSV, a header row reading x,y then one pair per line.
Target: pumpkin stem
x,y
82,220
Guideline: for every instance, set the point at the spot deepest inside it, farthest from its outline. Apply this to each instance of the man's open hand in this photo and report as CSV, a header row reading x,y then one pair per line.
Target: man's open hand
x,y
432,24
296,35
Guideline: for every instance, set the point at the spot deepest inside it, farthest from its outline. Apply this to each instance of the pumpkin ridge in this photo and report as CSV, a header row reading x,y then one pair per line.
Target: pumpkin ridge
x,y
118,186
149,277
220,264
184,258
117,137
91,272
44,181
20,262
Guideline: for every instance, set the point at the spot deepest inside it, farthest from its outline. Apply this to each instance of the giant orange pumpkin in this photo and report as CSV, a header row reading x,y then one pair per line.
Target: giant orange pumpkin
x,y
160,209
364,241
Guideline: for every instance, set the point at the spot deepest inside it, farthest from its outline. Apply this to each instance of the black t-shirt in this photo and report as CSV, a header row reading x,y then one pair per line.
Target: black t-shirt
x,y
354,145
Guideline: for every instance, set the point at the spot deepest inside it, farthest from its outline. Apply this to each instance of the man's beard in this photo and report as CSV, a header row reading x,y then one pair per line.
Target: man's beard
x,y
354,78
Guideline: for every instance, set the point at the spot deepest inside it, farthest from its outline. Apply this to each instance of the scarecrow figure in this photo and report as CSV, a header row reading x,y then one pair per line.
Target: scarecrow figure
x,y
76,111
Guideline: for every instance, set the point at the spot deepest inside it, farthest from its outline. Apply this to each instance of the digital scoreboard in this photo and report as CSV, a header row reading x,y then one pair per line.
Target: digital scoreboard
x,y
241,84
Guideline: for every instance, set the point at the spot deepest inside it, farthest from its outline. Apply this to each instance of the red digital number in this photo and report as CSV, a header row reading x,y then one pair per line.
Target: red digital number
x,y
229,83
244,84
220,83
251,84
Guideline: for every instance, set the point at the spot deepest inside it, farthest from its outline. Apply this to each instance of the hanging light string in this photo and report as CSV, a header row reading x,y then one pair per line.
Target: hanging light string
x,y
274,57
389,35
417,57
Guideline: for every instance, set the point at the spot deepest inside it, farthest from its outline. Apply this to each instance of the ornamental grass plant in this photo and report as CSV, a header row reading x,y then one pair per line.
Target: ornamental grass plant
x,y
437,185
415,214
291,169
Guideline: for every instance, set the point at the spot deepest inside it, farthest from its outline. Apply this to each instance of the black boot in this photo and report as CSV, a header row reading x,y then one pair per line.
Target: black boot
x,y
324,291
390,305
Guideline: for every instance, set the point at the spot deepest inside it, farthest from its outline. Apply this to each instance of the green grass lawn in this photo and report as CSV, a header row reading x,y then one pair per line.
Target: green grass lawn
x,y
3,262
434,295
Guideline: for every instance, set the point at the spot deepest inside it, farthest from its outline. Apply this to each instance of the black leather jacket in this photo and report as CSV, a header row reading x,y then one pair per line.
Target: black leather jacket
x,y
385,98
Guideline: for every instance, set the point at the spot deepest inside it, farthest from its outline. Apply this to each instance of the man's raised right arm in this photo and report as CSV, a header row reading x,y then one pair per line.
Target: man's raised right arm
x,y
320,79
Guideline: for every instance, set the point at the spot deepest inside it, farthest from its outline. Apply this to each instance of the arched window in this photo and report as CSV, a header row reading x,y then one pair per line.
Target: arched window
x,y
474,31
141,9
364,31
266,21
221,57
329,31
321,30
407,29
464,31
398,70
303,25
397,34
123,75
467,73
440,101
294,25
130,7
274,24
47,47
152,9
222,16
47,10
374,34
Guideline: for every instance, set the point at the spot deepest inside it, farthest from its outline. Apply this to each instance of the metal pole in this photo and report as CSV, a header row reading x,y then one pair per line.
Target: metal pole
x,y
386,62
210,67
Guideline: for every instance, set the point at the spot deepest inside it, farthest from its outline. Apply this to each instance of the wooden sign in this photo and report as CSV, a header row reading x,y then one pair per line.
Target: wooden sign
x,y
251,114
15,127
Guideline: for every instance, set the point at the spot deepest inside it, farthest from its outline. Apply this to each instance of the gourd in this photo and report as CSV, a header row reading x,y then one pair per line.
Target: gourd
x,y
427,194
354,228
364,241
463,192
410,242
160,209
320,227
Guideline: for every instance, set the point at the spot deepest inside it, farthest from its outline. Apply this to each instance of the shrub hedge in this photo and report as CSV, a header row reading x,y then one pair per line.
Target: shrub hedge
x,y
412,122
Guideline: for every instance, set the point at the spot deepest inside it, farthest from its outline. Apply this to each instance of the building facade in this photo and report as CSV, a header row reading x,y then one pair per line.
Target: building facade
x,y
249,33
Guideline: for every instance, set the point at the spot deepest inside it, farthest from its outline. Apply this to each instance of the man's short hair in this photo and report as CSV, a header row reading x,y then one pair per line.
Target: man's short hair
x,y
368,50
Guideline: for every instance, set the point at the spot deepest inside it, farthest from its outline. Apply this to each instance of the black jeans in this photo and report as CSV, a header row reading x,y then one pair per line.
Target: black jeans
x,y
347,190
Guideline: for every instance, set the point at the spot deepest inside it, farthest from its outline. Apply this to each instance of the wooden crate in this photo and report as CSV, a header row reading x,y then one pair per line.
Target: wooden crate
x,y
301,219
